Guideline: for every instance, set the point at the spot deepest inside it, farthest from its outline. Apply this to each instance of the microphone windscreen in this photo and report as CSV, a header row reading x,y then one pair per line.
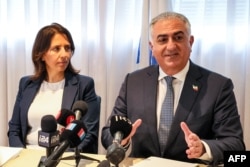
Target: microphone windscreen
x,y
80,105
74,132
120,123
65,116
48,123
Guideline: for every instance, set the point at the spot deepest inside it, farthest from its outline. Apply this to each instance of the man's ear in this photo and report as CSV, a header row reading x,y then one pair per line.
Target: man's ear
x,y
191,40
150,45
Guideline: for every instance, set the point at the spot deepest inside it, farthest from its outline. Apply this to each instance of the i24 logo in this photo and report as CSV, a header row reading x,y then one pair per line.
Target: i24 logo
x,y
43,139
46,139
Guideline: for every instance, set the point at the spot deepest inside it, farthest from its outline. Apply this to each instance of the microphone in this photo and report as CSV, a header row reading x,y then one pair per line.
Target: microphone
x,y
72,136
80,108
120,128
48,136
65,116
104,163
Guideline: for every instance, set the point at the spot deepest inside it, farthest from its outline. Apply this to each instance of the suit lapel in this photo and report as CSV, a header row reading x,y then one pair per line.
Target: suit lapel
x,y
29,93
150,90
187,99
70,92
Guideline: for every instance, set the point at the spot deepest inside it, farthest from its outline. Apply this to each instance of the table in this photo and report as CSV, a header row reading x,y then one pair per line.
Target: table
x,y
31,158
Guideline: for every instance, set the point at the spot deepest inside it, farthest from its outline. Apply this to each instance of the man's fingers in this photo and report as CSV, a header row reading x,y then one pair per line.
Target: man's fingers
x,y
135,125
185,129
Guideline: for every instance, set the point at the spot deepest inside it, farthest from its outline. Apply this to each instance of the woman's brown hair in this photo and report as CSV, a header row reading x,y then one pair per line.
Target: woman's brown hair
x,y
42,45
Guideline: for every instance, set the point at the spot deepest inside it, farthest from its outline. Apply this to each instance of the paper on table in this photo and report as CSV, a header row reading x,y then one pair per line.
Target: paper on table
x,y
162,162
7,153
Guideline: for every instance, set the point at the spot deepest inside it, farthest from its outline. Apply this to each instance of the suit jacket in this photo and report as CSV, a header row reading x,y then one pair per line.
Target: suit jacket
x,y
77,87
207,104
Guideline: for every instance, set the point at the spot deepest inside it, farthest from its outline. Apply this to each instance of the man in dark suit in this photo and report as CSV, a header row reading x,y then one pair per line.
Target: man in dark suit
x,y
206,120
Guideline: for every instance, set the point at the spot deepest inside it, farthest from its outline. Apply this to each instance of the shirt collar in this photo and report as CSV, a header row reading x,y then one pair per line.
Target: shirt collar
x,y
180,75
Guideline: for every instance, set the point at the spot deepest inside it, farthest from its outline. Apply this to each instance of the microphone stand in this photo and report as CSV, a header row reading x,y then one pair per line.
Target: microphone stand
x,y
77,156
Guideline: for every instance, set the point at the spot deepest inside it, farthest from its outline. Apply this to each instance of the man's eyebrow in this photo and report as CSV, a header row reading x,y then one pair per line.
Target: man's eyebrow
x,y
178,32
161,35
166,35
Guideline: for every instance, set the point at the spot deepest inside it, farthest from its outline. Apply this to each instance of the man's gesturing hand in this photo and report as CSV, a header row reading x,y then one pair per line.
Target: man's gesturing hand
x,y
136,124
195,146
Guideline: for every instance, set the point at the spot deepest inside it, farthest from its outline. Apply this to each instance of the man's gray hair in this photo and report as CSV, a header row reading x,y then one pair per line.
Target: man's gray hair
x,y
171,15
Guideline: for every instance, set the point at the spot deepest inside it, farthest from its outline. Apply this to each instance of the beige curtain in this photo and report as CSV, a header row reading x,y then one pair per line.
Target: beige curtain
x,y
107,36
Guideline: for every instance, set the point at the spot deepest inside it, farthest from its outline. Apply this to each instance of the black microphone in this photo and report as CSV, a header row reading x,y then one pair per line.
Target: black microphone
x,y
120,128
104,163
65,116
80,108
72,136
48,136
